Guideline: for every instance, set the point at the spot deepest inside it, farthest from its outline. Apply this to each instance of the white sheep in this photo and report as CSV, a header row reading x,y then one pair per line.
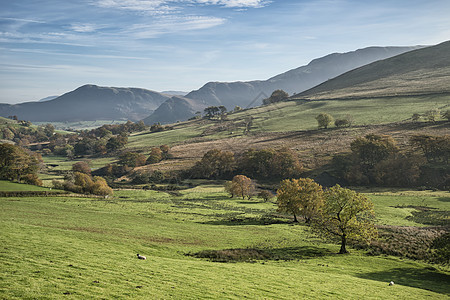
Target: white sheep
x,y
141,256
391,283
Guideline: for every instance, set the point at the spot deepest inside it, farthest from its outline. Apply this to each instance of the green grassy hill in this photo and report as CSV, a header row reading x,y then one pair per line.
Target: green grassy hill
x,y
86,248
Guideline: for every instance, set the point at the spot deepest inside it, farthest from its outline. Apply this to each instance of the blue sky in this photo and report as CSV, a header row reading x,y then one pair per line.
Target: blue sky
x,y
49,47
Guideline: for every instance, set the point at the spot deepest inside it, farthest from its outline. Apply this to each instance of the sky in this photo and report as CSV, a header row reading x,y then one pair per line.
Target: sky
x,y
50,47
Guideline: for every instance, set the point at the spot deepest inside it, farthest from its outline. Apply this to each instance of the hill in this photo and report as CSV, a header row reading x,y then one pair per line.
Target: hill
x,y
174,109
88,103
251,93
419,72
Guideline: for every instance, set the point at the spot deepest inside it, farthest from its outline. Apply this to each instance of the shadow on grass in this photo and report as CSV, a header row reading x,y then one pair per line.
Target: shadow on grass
x,y
237,221
444,199
427,278
255,254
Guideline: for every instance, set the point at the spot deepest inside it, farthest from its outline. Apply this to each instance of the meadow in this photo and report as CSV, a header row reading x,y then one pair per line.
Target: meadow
x,y
56,247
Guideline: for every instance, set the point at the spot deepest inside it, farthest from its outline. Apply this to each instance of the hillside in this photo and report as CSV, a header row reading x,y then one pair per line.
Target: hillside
x,y
89,103
251,93
174,109
419,72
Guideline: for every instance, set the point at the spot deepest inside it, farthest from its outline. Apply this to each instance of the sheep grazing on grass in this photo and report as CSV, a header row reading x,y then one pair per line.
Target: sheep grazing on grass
x,y
391,283
141,256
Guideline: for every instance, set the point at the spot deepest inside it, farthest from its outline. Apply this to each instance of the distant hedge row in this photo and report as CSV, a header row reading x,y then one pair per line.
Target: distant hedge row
x,y
30,193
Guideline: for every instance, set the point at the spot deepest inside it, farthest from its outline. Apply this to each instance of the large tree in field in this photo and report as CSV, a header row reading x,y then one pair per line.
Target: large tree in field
x,y
240,185
15,162
346,215
301,197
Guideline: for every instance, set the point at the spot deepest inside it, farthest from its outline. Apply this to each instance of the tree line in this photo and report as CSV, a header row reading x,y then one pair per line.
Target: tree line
x,y
378,160
260,164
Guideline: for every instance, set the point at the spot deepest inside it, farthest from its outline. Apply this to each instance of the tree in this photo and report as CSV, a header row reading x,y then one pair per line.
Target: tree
x,y
214,164
346,215
49,130
324,120
446,114
132,159
373,148
222,109
433,115
165,151
85,184
301,197
15,162
265,195
211,111
155,156
415,117
242,186
344,122
82,167
116,142
276,96
434,148
265,163
156,128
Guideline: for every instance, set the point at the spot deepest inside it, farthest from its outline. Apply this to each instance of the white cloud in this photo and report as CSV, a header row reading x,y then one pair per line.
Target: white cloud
x,y
158,7
84,28
154,7
174,24
236,3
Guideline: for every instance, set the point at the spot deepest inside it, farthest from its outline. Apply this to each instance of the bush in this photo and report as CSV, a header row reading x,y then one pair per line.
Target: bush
x,y
81,167
265,195
32,179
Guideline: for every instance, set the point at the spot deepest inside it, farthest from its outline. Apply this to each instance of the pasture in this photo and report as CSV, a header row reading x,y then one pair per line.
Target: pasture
x,y
56,247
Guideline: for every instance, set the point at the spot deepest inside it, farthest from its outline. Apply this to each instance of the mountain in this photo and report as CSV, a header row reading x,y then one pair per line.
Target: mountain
x,y
47,98
175,93
419,72
90,102
251,93
174,109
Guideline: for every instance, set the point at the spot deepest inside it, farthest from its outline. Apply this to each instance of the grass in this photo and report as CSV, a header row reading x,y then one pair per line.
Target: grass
x,y
86,248
81,125
8,186
300,115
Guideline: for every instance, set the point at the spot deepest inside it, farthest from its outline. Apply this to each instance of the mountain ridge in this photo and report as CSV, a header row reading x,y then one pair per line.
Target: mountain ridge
x,y
418,72
90,102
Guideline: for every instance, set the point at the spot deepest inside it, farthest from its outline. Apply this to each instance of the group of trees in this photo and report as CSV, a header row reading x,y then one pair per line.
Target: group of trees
x,y
130,159
377,160
212,111
432,115
83,183
25,134
336,212
19,164
276,96
260,164
324,120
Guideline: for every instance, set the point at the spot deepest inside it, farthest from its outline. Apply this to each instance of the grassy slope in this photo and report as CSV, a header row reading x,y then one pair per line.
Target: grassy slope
x,y
8,186
418,72
87,248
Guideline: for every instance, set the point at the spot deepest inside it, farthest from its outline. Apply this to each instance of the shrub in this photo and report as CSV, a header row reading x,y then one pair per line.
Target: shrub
x,y
265,195
32,179
81,167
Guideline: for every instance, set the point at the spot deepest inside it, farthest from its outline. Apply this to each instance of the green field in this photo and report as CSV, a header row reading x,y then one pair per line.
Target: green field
x,y
300,115
82,248
7,186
